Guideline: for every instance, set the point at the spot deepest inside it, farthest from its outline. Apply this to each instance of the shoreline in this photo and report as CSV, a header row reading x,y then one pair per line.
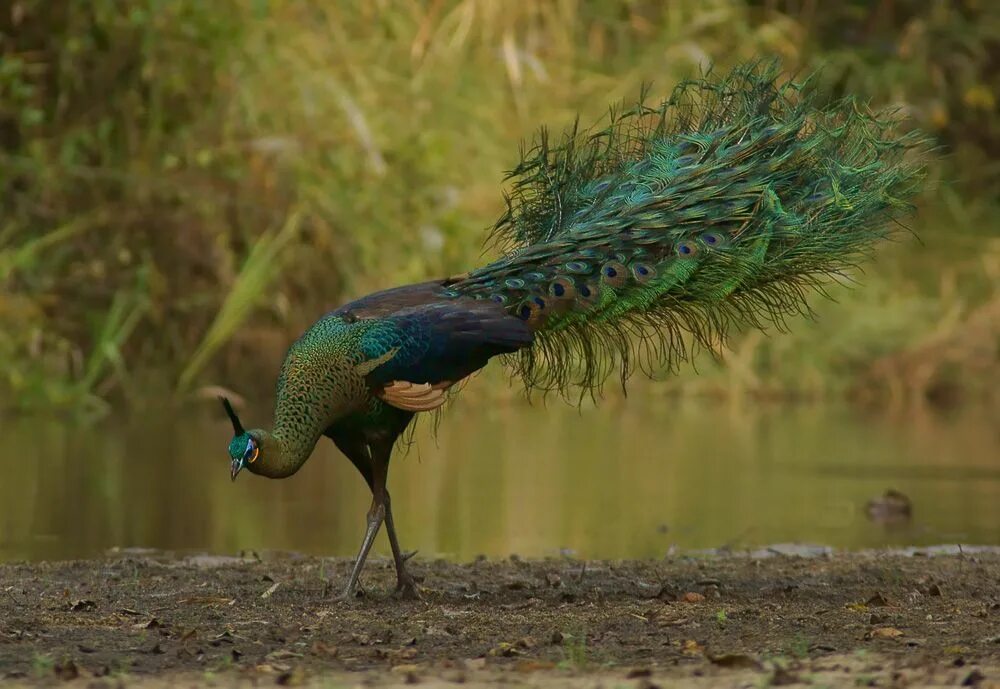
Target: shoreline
x,y
931,615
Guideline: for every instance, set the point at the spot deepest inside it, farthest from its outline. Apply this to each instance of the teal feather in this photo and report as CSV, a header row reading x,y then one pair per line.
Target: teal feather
x,y
722,205
717,208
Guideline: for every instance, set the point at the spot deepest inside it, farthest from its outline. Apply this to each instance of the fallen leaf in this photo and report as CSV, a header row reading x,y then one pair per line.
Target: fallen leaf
x,y
534,665
291,678
691,647
475,663
878,600
667,593
207,600
323,649
226,636
505,650
736,660
783,677
407,653
885,633
409,673
66,670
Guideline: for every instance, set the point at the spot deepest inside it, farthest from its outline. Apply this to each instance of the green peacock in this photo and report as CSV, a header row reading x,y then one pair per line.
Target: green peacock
x,y
623,247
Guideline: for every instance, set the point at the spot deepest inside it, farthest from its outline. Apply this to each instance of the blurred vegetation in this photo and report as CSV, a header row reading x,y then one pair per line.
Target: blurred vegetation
x,y
186,185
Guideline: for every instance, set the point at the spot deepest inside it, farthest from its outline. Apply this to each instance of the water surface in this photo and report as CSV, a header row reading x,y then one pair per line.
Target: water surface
x,y
625,480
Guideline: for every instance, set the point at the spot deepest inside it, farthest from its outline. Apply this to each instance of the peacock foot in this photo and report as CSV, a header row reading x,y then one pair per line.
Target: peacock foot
x,y
406,583
407,589
352,593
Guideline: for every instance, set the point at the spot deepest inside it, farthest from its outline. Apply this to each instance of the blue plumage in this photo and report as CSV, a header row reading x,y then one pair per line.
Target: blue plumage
x,y
623,246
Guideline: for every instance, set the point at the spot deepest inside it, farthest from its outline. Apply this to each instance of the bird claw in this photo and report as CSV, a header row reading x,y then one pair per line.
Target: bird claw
x,y
407,589
406,583
351,595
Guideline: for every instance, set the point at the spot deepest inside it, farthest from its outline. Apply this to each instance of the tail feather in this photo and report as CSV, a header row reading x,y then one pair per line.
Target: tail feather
x,y
723,206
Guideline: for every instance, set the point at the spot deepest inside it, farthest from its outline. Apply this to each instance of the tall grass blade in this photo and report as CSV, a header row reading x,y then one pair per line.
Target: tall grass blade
x,y
262,266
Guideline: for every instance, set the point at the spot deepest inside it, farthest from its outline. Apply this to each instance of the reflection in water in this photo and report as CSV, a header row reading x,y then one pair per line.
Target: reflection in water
x,y
620,481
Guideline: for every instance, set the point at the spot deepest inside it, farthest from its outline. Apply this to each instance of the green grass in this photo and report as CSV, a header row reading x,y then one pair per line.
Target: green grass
x,y
798,647
574,649
187,185
41,665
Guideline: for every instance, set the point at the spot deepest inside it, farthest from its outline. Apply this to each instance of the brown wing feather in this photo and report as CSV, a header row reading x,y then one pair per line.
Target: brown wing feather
x,y
388,302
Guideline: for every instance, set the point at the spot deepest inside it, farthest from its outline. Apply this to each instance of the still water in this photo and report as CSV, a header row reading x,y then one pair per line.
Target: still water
x,y
625,480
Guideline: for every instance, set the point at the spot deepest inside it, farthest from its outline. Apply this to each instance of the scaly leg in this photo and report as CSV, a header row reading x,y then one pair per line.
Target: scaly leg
x,y
406,585
376,515
371,458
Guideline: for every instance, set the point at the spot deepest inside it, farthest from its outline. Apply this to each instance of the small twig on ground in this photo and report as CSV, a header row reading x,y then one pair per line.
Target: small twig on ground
x,y
10,592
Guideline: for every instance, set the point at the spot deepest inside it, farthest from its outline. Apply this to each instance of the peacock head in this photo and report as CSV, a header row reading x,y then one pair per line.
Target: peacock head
x,y
244,448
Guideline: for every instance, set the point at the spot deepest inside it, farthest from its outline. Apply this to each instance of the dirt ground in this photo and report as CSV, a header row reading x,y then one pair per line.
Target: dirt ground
x,y
891,619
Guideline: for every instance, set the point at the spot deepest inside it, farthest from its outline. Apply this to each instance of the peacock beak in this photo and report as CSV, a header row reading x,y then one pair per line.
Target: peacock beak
x,y
236,468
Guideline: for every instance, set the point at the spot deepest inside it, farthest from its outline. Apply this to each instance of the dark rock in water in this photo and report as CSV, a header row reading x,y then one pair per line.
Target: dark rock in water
x,y
892,507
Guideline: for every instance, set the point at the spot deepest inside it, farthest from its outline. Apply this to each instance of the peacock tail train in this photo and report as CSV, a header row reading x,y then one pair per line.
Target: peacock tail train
x,y
720,207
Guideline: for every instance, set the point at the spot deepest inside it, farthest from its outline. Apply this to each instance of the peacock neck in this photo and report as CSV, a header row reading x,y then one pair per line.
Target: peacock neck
x,y
283,452
320,382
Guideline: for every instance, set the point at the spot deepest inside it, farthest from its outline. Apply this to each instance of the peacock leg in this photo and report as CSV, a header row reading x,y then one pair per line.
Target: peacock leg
x,y
406,585
370,456
376,515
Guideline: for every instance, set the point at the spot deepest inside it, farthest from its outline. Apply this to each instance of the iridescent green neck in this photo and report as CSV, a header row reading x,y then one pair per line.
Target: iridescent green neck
x,y
322,380
283,451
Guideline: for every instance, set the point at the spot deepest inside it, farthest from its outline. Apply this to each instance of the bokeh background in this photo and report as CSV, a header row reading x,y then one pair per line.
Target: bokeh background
x,y
186,185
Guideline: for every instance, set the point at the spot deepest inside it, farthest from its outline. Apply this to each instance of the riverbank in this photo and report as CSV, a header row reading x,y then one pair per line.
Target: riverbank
x,y
887,618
